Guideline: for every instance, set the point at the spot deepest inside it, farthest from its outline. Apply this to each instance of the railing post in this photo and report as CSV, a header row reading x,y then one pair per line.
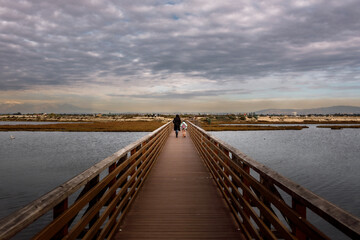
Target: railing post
x,y
301,210
92,202
57,211
216,150
132,152
247,185
266,203
144,149
226,162
112,167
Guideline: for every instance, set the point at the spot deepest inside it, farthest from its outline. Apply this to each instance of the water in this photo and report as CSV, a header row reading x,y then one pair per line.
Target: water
x,y
327,162
34,163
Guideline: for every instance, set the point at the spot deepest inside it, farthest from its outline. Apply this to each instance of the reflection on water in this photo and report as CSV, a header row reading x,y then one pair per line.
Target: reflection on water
x,y
325,161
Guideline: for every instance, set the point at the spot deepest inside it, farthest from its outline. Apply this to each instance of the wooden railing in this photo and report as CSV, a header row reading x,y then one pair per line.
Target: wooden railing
x,y
265,204
101,204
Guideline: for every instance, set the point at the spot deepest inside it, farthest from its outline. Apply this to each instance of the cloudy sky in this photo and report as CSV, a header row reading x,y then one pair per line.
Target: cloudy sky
x,y
178,55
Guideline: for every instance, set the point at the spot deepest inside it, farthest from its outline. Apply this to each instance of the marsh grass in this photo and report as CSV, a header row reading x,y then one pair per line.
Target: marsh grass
x,y
338,127
285,122
217,127
111,126
238,125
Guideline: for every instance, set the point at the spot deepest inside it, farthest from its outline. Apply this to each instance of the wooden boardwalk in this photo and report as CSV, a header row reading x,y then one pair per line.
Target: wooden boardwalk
x,y
179,200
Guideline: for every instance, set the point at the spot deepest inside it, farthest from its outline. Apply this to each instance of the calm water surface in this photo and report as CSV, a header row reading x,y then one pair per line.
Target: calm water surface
x,y
325,161
34,163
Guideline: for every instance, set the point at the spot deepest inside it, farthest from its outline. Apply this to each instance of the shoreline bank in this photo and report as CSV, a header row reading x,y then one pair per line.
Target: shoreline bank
x,y
148,124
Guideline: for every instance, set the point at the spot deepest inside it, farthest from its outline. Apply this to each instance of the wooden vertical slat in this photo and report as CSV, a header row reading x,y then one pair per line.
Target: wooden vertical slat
x,y
301,210
247,185
113,181
92,202
226,182
267,204
57,211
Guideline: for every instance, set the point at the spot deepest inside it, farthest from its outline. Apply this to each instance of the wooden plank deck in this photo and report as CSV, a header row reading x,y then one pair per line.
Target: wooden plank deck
x,y
179,200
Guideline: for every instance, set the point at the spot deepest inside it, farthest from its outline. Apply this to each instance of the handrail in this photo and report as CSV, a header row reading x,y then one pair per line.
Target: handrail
x,y
104,201
252,193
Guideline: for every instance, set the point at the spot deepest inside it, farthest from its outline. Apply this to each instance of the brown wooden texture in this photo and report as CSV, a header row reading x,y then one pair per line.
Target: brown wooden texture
x,y
251,190
179,200
57,211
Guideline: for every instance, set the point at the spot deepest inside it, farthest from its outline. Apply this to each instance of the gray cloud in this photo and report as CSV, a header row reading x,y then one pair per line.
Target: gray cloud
x,y
52,43
42,108
184,95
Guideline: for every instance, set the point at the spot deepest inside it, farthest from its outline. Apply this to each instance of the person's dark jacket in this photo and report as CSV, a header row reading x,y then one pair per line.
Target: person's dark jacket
x,y
177,122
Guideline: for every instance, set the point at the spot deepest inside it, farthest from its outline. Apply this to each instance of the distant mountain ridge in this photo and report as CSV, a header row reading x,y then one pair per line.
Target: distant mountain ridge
x,y
325,110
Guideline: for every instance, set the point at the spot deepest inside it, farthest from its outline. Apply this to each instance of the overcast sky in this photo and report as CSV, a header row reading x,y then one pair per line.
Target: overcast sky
x,y
173,55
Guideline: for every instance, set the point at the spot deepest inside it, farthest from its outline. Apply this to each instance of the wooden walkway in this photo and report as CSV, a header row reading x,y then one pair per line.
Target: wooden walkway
x,y
179,200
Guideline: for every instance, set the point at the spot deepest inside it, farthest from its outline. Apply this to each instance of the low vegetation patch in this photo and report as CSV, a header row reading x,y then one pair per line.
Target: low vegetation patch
x,y
124,126
338,127
248,127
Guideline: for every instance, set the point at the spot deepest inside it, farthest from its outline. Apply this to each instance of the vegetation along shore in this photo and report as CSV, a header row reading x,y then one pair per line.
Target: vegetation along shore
x,y
150,122
338,127
124,126
248,127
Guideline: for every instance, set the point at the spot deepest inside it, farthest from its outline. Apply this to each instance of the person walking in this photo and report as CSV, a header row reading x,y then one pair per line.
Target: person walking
x,y
183,127
177,122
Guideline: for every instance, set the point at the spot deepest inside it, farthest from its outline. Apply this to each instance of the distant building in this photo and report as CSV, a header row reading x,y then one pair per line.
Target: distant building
x,y
295,113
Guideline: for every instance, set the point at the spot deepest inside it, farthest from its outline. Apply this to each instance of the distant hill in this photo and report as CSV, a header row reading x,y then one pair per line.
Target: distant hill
x,y
327,110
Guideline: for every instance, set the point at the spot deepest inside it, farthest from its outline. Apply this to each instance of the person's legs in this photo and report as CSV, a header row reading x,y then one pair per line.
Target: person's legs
x,y
176,133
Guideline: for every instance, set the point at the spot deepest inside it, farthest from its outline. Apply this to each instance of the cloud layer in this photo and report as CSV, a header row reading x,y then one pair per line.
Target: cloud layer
x,y
180,49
